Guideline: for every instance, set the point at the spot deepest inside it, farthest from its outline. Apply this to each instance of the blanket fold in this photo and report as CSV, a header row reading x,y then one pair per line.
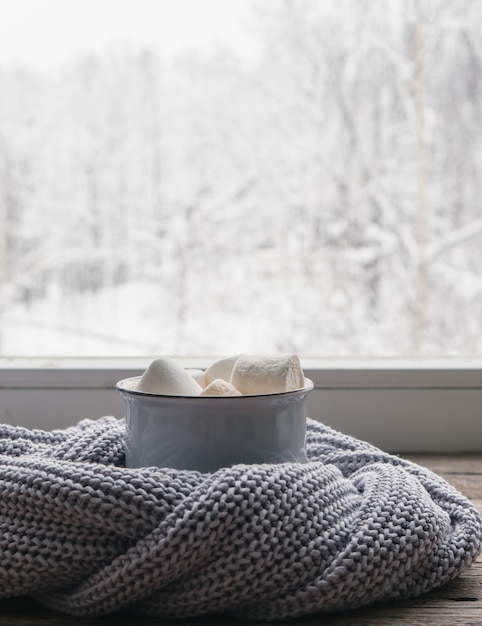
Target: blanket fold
x,y
353,526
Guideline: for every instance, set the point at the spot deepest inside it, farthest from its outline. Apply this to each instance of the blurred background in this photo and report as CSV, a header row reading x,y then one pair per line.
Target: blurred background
x,y
206,177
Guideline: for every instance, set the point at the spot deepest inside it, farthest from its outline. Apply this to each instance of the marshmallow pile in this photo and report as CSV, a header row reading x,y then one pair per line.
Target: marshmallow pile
x,y
238,375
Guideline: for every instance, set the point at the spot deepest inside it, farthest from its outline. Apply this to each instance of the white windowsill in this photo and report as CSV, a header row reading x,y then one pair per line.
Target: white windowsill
x,y
401,405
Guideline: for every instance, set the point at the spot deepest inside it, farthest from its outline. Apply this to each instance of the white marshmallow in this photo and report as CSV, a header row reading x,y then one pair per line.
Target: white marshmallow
x,y
220,387
258,375
165,376
199,376
221,369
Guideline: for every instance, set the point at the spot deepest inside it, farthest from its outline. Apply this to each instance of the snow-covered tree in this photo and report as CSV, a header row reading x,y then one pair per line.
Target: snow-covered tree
x,y
321,198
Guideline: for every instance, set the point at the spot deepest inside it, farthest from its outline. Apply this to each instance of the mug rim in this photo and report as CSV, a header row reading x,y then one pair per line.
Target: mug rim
x,y
120,386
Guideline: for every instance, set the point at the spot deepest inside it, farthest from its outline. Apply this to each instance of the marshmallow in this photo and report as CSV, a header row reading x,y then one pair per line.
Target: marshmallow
x,y
198,376
220,387
254,375
221,369
165,376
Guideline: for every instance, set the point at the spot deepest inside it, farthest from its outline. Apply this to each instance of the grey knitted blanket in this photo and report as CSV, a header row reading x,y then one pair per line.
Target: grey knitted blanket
x,y
353,526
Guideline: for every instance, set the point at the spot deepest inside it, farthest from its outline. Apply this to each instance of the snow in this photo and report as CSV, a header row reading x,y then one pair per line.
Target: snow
x,y
187,203
45,35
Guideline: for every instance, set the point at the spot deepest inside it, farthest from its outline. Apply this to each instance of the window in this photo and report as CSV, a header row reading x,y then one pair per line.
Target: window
x,y
196,177
199,177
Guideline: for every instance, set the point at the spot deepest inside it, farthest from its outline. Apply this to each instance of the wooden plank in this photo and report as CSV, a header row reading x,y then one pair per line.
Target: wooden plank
x,y
448,463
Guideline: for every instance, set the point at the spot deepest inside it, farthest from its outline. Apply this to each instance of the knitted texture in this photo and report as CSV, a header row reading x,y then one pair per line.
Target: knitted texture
x,y
353,526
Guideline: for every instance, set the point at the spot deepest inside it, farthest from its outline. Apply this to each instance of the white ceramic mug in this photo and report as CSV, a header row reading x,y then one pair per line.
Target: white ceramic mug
x,y
205,433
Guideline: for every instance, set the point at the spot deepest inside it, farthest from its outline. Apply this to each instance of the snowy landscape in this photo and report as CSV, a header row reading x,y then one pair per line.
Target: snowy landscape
x,y
321,195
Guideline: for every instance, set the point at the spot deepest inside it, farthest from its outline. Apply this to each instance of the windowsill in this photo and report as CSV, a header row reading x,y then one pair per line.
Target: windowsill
x,y
326,372
400,405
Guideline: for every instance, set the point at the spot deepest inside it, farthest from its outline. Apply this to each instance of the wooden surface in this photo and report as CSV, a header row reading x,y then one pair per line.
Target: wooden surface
x,y
459,603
